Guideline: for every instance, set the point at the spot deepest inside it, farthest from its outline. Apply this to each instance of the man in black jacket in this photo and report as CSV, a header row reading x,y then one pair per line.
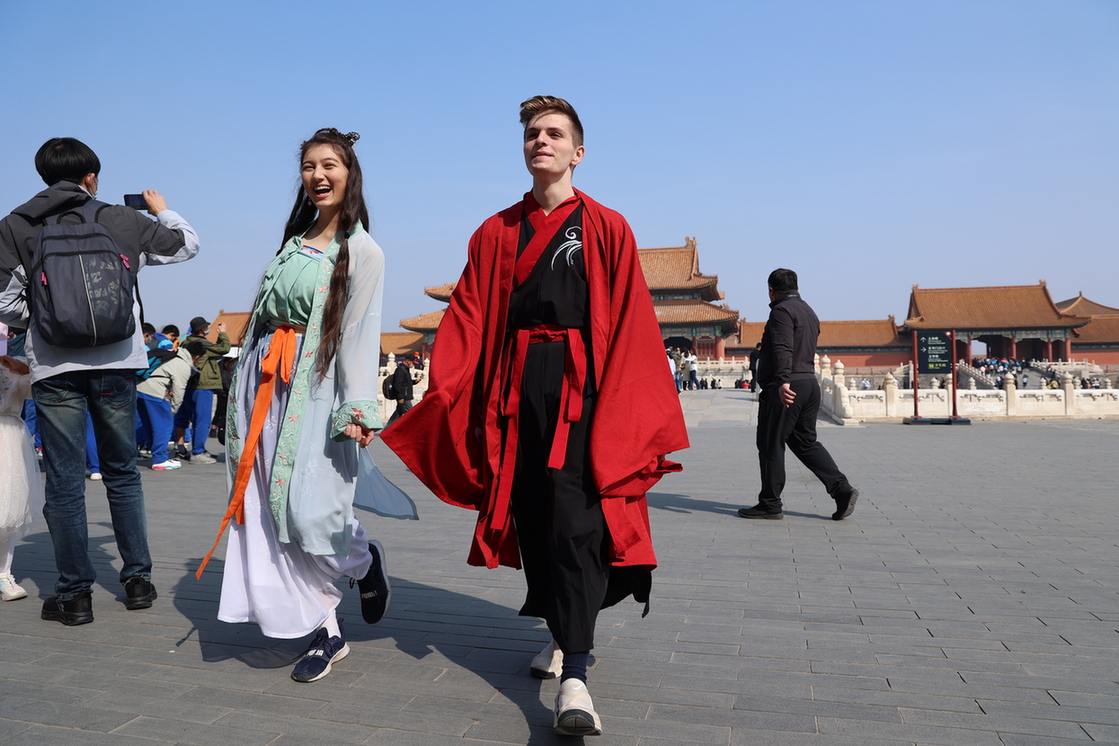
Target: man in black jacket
x,y
402,387
790,401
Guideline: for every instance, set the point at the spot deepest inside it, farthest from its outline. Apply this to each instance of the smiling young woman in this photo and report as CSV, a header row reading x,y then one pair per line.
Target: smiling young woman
x,y
303,399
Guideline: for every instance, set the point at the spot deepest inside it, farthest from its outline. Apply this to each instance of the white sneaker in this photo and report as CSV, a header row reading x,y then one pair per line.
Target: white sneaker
x,y
10,589
548,663
95,476
574,714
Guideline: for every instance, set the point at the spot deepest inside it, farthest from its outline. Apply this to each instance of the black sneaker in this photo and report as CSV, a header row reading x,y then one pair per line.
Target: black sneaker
x,y
72,611
139,593
845,504
374,587
323,652
759,512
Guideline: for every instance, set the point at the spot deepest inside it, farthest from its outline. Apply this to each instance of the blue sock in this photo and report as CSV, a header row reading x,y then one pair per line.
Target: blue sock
x,y
575,666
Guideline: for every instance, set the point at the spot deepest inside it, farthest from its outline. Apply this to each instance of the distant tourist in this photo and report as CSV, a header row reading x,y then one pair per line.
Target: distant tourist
x,y
790,401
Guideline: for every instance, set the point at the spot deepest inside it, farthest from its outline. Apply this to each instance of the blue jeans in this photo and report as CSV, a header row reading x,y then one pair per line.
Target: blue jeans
x,y
203,417
62,402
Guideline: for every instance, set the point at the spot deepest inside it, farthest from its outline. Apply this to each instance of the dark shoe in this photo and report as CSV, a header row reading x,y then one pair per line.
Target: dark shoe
x,y
140,593
72,611
845,504
374,587
324,651
759,512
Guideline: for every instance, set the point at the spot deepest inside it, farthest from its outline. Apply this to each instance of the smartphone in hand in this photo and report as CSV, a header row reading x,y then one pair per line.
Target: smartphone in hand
x,y
135,201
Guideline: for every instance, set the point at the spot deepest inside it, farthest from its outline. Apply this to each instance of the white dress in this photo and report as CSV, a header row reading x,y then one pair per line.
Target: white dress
x,y
21,488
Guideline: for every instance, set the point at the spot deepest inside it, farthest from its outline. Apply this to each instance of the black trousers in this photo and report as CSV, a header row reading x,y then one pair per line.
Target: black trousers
x,y
561,530
401,408
794,426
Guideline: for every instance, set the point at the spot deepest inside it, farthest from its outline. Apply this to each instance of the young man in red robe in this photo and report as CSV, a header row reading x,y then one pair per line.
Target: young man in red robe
x,y
550,409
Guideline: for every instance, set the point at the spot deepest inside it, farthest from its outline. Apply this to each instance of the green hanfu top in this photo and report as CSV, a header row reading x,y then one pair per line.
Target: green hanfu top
x,y
312,484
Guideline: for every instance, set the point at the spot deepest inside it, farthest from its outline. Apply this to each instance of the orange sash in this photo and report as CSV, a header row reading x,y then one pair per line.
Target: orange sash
x,y
280,359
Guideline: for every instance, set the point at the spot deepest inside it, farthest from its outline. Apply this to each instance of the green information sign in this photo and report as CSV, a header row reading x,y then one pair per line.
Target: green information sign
x,y
934,352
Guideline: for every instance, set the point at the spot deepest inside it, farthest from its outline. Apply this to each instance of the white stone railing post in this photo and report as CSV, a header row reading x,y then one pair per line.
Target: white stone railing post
x,y
825,367
1011,395
1070,393
890,387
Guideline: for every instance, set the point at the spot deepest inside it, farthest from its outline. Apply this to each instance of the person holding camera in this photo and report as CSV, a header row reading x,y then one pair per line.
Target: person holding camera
x,y
72,375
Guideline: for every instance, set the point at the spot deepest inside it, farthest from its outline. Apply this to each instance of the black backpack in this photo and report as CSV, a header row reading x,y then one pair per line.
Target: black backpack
x,y
388,389
81,284
156,358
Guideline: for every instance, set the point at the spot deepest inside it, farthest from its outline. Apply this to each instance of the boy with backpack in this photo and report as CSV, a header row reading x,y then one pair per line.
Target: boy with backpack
x,y
68,264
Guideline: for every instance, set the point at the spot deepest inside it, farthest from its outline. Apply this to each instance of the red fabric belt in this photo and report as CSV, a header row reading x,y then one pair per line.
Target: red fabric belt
x,y
280,359
571,405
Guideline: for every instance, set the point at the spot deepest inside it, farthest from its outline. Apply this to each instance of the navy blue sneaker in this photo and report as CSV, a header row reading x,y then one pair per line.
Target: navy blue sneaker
x,y
374,587
324,651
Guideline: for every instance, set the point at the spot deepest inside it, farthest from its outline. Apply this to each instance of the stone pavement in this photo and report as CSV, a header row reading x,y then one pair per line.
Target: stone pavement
x,y
971,599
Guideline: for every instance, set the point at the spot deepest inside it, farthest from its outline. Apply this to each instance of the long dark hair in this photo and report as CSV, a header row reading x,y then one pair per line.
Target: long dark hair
x,y
303,216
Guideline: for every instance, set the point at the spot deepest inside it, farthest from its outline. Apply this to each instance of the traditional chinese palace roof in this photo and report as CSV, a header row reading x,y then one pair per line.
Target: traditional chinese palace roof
x,y
424,323
401,343
1081,306
981,308
441,292
676,268
236,324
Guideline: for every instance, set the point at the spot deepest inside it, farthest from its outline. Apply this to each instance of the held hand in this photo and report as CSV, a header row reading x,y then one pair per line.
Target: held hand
x,y
14,365
221,328
786,394
156,203
363,435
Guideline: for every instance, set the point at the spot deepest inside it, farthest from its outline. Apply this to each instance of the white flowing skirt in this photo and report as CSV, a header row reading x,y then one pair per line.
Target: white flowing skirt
x,y
285,590
21,487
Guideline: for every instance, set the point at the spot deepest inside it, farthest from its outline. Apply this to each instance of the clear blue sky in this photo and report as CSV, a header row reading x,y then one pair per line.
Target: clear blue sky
x,y
868,145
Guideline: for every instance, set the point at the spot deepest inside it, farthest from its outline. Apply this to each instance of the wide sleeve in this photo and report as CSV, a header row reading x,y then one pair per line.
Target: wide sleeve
x,y
637,416
440,438
358,358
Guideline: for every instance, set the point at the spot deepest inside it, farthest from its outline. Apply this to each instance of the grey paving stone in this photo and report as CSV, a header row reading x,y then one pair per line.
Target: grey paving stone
x,y
167,729
933,595
49,712
36,735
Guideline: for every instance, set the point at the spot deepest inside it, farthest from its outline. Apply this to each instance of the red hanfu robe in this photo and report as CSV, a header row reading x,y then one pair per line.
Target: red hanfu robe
x,y
453,439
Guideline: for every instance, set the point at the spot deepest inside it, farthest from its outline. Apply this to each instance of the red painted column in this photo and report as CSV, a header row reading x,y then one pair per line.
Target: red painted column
x,y
1013,348
720,348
